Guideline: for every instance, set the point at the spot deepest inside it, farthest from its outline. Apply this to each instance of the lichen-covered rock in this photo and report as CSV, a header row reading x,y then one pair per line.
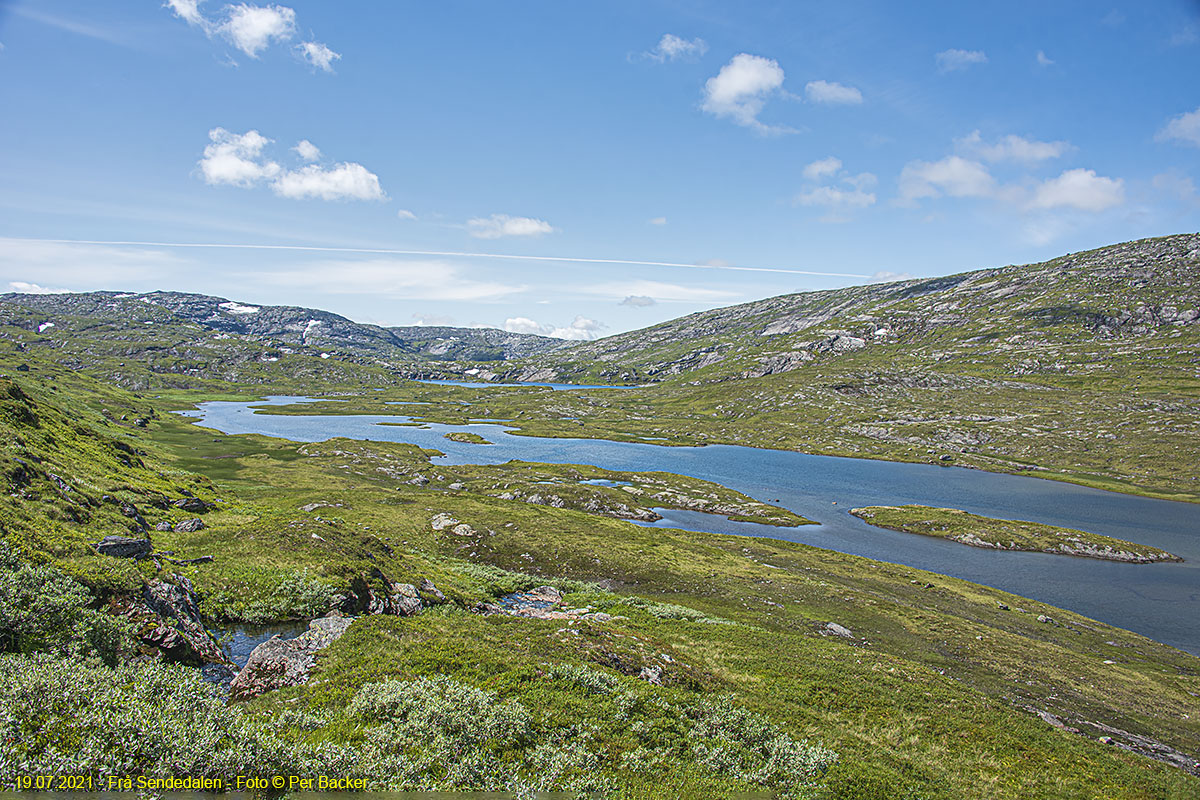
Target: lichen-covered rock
x,y
280,662
124,547
172,624
430,594
190,525
193,505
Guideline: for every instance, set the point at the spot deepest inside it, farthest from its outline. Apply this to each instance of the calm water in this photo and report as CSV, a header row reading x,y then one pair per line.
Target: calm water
x,y
1161,601
558,387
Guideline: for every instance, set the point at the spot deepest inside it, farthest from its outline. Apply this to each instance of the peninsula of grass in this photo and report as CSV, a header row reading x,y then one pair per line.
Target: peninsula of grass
x,y
465,437
1006,534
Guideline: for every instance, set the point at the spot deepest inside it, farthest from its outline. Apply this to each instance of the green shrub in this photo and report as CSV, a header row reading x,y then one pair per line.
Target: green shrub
x,y
66,716
43,610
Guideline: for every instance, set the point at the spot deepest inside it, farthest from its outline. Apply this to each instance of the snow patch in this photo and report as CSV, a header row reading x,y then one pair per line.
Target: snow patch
x,y
238,308
45,326
324,355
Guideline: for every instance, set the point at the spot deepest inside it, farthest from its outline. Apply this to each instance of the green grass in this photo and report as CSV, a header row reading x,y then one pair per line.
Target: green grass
x,y
1004,534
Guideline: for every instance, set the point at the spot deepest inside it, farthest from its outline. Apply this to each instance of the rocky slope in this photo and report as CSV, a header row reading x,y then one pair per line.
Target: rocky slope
x,y
191,321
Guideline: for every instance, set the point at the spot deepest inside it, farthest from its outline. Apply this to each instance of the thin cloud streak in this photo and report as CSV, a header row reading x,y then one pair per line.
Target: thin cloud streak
x,y
383,251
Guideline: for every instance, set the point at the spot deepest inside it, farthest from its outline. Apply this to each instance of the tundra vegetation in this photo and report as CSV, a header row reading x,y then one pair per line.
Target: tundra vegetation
x,y
660,662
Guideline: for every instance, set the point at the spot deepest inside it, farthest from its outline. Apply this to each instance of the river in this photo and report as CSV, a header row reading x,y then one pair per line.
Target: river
x,y
1161,601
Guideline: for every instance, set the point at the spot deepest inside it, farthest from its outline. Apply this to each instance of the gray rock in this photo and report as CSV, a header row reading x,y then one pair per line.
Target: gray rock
x,y
193,505
838,630
280,662
652,674
181,635
430,594
163,526
124,547
190,525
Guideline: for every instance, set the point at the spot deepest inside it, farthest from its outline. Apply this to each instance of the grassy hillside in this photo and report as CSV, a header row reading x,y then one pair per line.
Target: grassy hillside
x,y
903,683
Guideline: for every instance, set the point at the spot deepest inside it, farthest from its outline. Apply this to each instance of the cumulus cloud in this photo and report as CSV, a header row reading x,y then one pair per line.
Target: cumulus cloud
x,y
1080,189
954,176
1043,60
307,150
638,301
581,329
1011,148
832,93
1184,128
340,182
500,225
952,60
835,197
740,90
658,221
236,159
317,54
188,11
673,48
656,291
22,287
252,29
823,168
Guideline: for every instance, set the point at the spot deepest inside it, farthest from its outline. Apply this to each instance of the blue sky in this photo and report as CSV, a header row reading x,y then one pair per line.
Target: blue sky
x,y
855,140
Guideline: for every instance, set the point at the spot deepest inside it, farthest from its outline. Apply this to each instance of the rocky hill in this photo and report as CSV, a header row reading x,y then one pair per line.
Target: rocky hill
x,y
212,337
1013,314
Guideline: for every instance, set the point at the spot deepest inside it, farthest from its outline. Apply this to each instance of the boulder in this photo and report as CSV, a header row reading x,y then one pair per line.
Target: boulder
x,y
180,634
430,594
124,547
280,662
838,630
193,505
190,525
163,526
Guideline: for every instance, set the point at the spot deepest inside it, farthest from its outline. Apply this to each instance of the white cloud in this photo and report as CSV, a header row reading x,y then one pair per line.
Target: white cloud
x,y
740,90
21,287
340,182
672,48
522,325
1184,128
404,213
582,329
658,221
832,93
863,180
1043,60
500,225
657,291
951,60
317,54
1188,34
953,176
1011,148
387,277
252,29
307,150
187,10
432,319
236,159
1080,189
883,276
836,198
1178,184
83,266
821,168
638,301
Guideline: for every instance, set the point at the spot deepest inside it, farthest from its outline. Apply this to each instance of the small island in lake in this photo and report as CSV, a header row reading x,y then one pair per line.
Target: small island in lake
x,y
1005,534
465,438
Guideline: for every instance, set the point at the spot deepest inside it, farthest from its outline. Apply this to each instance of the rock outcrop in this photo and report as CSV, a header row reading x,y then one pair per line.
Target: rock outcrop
x,y
280,662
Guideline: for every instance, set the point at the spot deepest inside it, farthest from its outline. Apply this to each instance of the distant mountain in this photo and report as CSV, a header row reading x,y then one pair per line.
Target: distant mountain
x,y
286,326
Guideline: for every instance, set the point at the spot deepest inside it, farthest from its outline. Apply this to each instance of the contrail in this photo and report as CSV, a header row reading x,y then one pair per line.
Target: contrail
x,y
383,251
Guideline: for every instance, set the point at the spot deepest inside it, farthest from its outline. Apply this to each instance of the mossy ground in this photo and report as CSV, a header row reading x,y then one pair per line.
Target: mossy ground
x,y
928,699
1005,534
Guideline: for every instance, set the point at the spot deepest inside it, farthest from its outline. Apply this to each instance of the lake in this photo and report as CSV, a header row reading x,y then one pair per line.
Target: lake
x,y
1161,601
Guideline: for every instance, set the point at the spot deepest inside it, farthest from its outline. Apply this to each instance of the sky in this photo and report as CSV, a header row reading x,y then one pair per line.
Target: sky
x,y
585,168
